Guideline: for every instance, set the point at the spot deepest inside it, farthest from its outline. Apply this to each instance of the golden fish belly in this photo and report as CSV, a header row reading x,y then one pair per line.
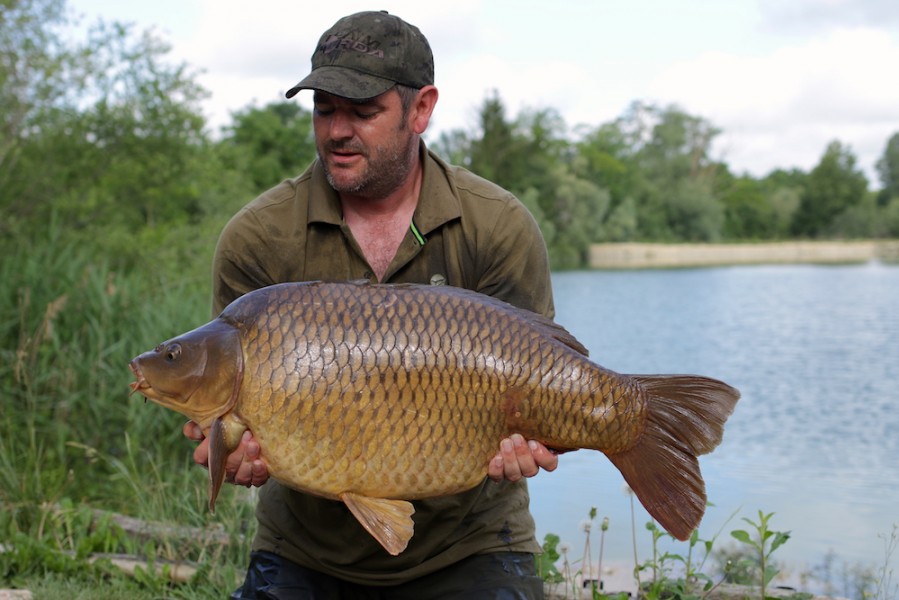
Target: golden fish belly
x,y
409,399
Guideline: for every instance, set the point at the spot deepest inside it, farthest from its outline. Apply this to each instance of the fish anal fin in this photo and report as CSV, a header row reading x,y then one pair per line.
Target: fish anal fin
x,y
388,521
224,437
685,417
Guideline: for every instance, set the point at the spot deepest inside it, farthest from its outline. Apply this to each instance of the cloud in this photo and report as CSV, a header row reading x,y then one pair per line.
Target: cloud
x,y
781,109
778,103
815,15
564,87
251,57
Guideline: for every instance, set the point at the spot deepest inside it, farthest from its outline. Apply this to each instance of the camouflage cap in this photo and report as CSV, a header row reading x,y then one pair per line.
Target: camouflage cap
x,y
367,53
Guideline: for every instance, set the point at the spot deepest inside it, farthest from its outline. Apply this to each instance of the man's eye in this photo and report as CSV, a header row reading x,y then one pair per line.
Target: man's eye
x,y
365,115
323,110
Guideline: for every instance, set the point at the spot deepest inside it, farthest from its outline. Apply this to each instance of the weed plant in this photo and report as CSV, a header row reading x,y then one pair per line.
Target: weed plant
x,y
703,566
71,439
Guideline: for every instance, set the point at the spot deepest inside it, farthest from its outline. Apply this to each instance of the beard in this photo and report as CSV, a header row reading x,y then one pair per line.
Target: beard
x,y
386,165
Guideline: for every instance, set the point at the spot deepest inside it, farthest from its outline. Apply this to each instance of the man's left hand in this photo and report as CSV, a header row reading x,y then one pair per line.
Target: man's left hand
x,y
517,458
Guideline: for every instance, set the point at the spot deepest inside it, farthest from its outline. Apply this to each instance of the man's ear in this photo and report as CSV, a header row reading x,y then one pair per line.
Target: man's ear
x,y
422,107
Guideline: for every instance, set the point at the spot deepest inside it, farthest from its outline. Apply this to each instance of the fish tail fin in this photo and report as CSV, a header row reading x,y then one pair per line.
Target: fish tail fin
x,y
685,418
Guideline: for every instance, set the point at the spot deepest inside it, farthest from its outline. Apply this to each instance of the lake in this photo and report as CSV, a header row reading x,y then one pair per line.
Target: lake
x,y
815,437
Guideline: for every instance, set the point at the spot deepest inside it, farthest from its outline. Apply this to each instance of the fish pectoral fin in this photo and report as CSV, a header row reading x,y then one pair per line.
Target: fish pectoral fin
x,y
388,521
224,437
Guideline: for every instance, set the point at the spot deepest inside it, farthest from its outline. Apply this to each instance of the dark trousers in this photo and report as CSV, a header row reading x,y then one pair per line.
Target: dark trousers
x,y
494,576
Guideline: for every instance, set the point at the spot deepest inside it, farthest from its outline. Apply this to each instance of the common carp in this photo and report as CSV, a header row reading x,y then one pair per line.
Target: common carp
x,y
376,395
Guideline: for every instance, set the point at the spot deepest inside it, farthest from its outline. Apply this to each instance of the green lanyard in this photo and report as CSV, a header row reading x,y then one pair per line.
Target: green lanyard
x,y
418,236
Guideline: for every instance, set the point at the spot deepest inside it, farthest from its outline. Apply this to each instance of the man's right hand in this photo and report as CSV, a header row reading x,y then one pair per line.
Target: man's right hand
x,y
243,467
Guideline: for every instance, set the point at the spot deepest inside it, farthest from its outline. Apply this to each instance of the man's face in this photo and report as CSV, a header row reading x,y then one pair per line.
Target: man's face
x,y
366,147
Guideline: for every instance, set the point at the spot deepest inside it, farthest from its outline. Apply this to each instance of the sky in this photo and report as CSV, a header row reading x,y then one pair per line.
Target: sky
x,y
780,78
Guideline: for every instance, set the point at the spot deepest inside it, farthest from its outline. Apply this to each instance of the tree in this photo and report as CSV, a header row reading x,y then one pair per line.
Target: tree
x,y
677,199
833,186
606,158
749,213
577,209
495,147
888,170
270,143
124,151
694,213
36,71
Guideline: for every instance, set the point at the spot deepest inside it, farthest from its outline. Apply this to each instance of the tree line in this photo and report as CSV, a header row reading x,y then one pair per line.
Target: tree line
x,y
105,135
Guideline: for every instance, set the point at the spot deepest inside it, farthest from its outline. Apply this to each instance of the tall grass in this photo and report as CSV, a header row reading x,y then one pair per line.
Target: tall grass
x,y
69,433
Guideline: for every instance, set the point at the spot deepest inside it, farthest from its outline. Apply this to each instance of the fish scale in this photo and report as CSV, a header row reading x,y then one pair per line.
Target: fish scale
x,y
380,394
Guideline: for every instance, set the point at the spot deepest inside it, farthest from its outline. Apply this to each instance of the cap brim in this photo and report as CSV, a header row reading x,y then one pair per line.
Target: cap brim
x,y
343,82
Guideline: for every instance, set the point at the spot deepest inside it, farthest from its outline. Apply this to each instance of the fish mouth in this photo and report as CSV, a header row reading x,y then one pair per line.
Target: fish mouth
x,y
140,384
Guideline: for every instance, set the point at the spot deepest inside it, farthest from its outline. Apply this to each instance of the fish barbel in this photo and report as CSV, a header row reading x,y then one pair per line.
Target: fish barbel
x,y
381,394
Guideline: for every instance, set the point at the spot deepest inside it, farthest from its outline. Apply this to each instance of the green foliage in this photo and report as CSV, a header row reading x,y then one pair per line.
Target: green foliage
x,y
270,142
36,71
765,542
68,432
888,170
833,186
546,561
691,583
749,212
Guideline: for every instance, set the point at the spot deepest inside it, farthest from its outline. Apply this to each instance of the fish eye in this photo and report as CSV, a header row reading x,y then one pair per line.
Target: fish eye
x,y
173,352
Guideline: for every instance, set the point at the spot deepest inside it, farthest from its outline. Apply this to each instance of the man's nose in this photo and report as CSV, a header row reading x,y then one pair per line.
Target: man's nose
x,y
340,126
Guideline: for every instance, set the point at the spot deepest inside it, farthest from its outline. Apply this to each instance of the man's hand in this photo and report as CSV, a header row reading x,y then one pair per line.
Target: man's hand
x,y
517,458
243,467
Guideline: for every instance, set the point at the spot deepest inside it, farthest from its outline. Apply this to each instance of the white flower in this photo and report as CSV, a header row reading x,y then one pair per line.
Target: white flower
x,y
586,525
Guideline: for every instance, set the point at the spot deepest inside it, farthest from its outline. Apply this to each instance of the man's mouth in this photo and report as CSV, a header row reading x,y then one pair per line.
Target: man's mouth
x,y
344,152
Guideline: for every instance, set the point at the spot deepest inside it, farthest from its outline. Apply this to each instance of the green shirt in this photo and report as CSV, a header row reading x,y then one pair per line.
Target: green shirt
x,y
468,233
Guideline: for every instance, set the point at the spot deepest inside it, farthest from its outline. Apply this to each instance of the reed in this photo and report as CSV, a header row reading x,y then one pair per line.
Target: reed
x,y
71,439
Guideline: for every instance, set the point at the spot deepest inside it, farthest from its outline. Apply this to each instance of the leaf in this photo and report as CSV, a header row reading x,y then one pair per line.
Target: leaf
x,y
742,536
779,540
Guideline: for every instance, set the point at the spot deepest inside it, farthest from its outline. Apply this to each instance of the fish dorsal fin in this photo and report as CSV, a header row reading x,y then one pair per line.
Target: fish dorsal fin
x,y
224,437
388,521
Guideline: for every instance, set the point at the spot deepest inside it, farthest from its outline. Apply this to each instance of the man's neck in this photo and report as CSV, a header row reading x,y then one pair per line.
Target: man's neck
x,y
380,224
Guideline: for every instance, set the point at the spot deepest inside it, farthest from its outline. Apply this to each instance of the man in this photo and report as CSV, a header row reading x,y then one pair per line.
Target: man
x,y
377,205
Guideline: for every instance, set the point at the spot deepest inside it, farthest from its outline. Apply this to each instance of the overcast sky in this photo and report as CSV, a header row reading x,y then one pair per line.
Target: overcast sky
x,y
781,78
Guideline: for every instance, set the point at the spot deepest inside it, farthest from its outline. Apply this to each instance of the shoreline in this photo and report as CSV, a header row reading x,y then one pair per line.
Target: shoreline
x,y
630,255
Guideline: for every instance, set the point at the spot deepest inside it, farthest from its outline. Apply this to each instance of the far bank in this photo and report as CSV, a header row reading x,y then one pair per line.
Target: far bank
x,y
653,256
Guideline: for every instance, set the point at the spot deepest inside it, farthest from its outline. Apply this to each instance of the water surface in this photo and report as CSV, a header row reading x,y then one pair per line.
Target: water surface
x,y
815,437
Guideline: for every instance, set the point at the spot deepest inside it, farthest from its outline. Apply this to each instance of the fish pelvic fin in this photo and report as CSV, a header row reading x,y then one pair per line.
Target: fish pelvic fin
x,y
388,521
685,418
224,437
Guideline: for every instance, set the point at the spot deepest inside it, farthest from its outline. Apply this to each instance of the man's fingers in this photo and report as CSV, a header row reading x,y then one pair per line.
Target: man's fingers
x,y
525,463
248,453
546,460
192,431
517,458
511,468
